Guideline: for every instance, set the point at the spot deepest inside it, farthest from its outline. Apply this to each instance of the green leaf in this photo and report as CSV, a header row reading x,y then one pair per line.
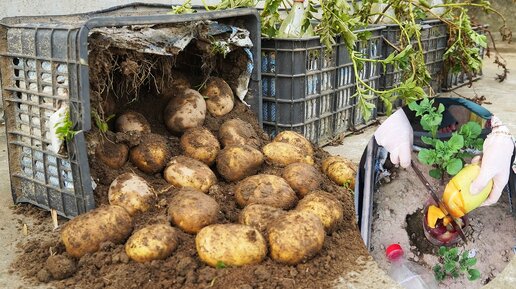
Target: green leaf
x,y
435,173
449,267
469,262
427,140
427,156
220,265
454,166
456,142
442,250
473,274
437,268
454,252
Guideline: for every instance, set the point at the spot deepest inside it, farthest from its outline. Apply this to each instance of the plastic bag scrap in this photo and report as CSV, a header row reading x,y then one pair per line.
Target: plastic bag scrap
x,y
55,119
171,40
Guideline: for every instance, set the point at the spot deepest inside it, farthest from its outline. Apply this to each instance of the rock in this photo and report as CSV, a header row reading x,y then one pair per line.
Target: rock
x,y
60,266
43,276
124,258
293,272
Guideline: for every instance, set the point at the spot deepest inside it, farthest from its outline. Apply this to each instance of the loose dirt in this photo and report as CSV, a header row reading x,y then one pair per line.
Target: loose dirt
x,y
397,218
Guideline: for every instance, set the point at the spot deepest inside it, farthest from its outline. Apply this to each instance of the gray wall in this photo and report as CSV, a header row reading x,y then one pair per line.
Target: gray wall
x,y
506,7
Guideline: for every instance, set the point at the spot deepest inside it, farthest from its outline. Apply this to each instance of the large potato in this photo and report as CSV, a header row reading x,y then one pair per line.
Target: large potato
x,y
325,206
230,244
283,154
183,171
151,155
236,132
220,96
191,210
340,170
237,162
295,237
131,192
113,155
185,111
295,139
132,121
259,216
153,242
266,190
199,143
86,232
303,178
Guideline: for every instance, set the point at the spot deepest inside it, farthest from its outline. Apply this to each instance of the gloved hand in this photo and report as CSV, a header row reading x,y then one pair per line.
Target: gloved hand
x,y
396,136
496,162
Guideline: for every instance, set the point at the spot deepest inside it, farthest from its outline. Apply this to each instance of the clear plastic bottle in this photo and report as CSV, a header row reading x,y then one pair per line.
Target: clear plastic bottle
x,y
407,274
292,26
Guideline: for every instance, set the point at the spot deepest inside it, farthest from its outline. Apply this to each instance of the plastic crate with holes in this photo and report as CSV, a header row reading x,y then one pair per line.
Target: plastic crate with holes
x,y
434,47
43,64
455,80
307,91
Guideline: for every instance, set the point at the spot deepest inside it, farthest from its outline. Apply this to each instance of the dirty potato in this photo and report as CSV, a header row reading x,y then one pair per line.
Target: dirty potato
x,y
131,192
295,139
340,170
199,143
86,232
303,178
230,244
295,237
259,216
191,210
283,154
237,162
220,99
183,171
154,242
132,121
151,155
235,132
185,111
113,155
266,190
325,206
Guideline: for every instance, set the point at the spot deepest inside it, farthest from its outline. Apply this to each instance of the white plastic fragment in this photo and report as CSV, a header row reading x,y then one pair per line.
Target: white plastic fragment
x,y
55,119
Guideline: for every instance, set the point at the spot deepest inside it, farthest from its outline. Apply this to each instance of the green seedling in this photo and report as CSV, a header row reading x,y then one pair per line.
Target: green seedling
x,y
64,130
454,264
445,156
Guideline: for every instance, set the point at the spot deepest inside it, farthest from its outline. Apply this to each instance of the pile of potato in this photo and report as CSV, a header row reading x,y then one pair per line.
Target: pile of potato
x,y
286,217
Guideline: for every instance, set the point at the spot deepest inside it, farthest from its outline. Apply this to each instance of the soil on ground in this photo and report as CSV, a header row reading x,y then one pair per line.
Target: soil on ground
x,y
397,218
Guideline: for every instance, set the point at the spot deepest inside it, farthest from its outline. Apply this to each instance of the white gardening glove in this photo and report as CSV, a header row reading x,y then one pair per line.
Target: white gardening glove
x,y
396,136
496,162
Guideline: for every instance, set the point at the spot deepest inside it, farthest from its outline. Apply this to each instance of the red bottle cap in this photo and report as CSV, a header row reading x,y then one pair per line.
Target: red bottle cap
x,y
393,252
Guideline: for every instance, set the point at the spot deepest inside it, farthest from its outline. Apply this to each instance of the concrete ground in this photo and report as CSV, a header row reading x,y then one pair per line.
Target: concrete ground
x,y
503,105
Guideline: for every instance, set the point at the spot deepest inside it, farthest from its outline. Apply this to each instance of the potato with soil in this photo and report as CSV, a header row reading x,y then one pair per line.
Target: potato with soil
x,y
154,242
340,170
131,192
220,99
237,162
183,172
303,178
199,143
151,155
86,232
259,216
191,210
185,111
266,190
235,132
132,121
283,154
113,155
325,206
230,244
295,139
295,237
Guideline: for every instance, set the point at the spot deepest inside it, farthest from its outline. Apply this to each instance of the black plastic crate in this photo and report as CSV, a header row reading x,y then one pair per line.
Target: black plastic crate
x,y
305,91
455,80
434,47
44,61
